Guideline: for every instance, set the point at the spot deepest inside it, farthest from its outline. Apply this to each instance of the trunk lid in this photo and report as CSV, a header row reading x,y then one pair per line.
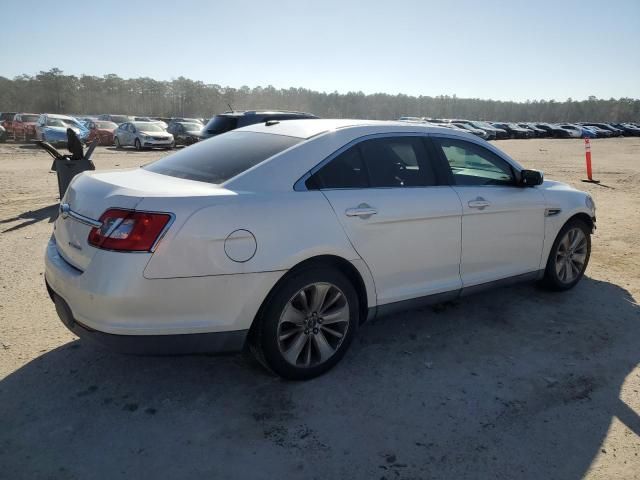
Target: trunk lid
x,y
90,194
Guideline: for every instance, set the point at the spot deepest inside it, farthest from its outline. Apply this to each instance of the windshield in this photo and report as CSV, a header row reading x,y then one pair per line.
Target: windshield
x,y
106,125
148,127
30,118
220,124
222,157
61,122
192,126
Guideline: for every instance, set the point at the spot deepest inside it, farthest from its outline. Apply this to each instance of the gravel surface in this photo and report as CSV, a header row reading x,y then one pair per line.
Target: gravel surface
x,y
512,383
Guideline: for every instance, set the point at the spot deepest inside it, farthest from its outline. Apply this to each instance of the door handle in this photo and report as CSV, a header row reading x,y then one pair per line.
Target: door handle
x,y
478,203
363,211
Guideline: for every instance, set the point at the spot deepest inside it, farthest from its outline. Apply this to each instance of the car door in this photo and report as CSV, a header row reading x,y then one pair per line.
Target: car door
x,y
400,216
122,133
132,133
502,222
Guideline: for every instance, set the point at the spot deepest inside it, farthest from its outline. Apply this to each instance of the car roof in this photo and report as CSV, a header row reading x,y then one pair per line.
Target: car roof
x,y
308,128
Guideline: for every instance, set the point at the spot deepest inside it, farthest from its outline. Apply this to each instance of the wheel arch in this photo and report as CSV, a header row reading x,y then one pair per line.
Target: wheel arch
x,y
339,263
586,218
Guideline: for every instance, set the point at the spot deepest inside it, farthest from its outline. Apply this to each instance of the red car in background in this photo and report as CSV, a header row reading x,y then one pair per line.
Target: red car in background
x,y
6,120
102,130
24,126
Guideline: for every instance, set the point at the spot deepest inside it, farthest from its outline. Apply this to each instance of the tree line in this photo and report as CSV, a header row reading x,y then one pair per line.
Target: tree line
x,y
54,92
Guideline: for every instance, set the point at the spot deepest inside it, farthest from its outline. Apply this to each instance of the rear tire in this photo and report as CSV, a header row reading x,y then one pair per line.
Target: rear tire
x,y
306,324
569,256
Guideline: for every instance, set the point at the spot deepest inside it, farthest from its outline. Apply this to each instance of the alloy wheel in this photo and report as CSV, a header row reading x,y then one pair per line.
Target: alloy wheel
x,y
313,325
571,255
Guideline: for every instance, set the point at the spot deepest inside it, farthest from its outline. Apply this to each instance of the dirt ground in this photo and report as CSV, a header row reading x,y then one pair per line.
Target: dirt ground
x,y
513,383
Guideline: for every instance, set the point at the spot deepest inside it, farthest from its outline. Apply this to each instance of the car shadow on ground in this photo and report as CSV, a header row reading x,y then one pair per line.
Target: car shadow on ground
x,y
49,213
514,383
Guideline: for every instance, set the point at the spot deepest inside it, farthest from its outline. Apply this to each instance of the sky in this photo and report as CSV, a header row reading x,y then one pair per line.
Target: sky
x,y
504,50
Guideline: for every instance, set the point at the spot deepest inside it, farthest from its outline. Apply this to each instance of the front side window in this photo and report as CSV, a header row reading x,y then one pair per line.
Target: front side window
x,y
378,163
472,164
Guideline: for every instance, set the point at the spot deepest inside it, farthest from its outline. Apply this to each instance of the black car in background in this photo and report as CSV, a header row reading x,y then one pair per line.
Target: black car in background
x,y
628,129
185,133
537,132
514,130
3,134
231,120
552,130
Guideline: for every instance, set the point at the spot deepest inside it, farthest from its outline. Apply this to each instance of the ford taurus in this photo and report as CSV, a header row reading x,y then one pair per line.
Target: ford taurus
x,y
286,237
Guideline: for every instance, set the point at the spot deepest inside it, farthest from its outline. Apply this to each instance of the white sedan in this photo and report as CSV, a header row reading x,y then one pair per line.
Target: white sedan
x,y
286,236
142,135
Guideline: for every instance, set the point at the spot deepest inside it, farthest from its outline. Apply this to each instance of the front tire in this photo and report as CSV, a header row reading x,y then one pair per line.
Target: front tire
x,y
137,144
569,256
307,324
117,142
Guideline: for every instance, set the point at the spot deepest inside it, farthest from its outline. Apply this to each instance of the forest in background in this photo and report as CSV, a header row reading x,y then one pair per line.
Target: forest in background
x,y
54,92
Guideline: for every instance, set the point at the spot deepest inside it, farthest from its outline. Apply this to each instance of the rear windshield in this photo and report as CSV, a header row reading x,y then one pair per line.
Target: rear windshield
x,y
220,124
222,157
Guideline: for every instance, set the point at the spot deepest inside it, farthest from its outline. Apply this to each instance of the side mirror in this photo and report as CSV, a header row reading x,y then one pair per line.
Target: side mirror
x,y
531,178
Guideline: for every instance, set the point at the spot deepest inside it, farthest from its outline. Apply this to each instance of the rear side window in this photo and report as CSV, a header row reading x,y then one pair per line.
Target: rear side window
x,y
222,157
378,163
344,171
221,124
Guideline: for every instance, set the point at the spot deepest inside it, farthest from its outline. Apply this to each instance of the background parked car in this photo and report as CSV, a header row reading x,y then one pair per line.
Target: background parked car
x,y
628,129
573,131
476,131
52,128
117,119
142,135
227,121
537,132
24,126
6,120
499,133
514,130
185,133
616,132
101,130
600,132
588,132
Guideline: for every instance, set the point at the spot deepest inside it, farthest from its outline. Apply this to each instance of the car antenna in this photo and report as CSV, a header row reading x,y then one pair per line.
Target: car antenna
x,y
230,107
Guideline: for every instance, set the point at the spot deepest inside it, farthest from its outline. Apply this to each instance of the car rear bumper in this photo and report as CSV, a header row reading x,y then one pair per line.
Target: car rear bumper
x,y
218,342
112,302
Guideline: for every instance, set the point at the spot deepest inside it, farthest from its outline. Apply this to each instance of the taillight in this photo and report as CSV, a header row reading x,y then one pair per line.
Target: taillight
x,y
128,231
